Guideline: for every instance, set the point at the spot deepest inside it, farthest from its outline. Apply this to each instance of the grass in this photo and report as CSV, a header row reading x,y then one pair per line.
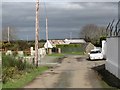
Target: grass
x,y
24,79
56,54
75,53
63,54
104,85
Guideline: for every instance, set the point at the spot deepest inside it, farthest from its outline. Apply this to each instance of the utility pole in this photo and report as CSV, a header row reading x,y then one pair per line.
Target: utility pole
x,y
70,35
8,34
37,33
47,32
27,38
46,26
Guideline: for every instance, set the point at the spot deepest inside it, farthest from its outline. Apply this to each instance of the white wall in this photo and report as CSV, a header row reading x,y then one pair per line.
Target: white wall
x,y
119,57
104,48
113,57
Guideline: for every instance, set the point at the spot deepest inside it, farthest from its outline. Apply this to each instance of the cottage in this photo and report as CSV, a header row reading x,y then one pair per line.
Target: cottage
x,y
53,43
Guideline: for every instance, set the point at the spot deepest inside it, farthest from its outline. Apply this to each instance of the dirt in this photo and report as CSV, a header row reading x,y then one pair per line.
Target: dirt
x,y
74,72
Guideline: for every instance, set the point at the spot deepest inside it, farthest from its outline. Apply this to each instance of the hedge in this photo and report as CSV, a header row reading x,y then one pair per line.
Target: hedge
x,y
71,48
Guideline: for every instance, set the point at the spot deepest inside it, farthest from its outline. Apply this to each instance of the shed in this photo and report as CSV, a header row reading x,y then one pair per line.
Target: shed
x,y
89,47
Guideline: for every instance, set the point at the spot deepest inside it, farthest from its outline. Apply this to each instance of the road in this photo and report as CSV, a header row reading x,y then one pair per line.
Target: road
x,y
74,72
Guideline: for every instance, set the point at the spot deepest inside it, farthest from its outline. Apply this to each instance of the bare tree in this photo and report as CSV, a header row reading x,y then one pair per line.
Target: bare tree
x,y
92,32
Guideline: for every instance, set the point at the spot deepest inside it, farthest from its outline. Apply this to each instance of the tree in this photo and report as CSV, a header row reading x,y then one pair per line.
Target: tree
x,y
9,34
93,33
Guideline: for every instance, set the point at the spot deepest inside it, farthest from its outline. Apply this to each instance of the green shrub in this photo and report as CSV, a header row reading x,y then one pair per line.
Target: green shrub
x,y
8,73
24,79
9,61
12,67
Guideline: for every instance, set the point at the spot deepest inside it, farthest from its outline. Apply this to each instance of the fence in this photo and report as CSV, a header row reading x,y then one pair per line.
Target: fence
x,y
26,52
26,55
113,30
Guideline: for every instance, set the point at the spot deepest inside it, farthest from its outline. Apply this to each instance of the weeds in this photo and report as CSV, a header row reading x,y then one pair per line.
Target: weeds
x,y
12,67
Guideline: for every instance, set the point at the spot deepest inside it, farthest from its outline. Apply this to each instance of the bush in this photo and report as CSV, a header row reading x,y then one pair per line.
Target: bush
x,y
9,61
13,67
23,79
8,73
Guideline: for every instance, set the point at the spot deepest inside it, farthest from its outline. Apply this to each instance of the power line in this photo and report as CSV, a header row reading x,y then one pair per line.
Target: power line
x,y
45,9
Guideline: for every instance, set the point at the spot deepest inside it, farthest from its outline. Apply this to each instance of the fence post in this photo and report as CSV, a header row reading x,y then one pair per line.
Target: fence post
x,y
59,50
49,51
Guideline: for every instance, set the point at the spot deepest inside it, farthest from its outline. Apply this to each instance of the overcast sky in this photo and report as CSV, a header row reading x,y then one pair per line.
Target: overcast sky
x,y
63,17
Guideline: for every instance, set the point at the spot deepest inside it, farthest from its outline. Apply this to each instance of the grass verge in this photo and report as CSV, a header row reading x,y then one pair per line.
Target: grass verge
x,y
56,54
24,79
75,53
63,54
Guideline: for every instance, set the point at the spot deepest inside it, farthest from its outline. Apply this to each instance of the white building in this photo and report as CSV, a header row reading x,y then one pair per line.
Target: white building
x,y
104,48
74,41
48,44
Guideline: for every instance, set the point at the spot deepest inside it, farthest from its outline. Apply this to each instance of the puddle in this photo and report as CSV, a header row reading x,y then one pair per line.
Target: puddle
x,y
61,59
79,59
64,80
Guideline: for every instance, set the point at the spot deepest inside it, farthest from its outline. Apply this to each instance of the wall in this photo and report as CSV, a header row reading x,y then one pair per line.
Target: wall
x,y
113,57
104,48
119,57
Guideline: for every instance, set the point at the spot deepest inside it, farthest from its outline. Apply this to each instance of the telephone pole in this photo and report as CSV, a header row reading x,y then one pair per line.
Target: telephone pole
x,y
8,34
70,35
47,32
37,33
46,26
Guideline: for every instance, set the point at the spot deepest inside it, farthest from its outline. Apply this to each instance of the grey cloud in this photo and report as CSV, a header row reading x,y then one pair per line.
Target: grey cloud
x,y
62,0
61,18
